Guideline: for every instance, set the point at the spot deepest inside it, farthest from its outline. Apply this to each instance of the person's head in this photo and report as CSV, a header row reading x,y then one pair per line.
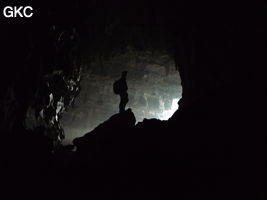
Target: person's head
x,y
124,74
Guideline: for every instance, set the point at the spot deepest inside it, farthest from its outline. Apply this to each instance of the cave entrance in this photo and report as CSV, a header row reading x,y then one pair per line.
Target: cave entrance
x,y
154,89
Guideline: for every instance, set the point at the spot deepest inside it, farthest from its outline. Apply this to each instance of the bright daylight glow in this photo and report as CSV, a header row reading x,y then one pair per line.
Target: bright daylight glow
x,y
166,114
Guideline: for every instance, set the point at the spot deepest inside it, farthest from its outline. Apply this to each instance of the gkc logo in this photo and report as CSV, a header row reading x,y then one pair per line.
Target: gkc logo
x,y
21,11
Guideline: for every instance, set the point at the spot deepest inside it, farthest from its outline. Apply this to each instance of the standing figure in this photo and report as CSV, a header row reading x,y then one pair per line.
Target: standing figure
x,y
120,88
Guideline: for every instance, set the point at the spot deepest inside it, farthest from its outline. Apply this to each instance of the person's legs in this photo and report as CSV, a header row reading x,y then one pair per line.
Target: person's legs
x,y
124,100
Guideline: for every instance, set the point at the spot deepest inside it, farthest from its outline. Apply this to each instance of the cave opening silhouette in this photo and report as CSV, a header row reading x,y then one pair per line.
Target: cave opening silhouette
x,y
58,69
154,89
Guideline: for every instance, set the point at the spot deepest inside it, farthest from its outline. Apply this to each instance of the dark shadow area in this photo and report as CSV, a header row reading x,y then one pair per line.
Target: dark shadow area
x,y
213,147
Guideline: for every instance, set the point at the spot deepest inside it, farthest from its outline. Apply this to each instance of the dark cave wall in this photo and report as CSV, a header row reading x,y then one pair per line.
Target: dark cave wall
x,y
202,58
41,67
220,48
228,58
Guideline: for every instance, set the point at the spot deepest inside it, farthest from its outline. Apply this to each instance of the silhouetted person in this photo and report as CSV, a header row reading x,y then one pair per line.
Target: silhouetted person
x,y
120,87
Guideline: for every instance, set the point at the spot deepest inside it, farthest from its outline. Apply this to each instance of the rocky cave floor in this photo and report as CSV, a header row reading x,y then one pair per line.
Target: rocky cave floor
x,y
191,155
